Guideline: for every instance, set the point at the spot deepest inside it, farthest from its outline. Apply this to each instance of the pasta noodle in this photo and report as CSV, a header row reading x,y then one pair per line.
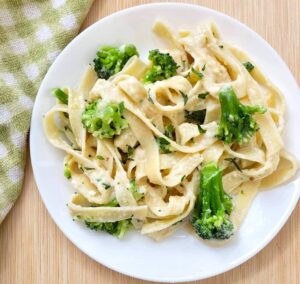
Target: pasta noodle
x,y
168,181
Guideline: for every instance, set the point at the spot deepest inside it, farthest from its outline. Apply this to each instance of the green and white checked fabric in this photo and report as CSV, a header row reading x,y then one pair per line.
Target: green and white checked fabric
x,y
32,34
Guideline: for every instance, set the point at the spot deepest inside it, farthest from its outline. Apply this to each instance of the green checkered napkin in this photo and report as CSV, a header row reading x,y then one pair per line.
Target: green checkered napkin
x,y
32,34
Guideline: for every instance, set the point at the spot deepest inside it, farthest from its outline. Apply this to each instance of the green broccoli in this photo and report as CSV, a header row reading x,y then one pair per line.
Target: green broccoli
x,y
110,60
236,123
163,67
213,206
117,229
103,119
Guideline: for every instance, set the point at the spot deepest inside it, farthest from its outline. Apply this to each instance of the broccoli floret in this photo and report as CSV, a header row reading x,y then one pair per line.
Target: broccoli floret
x,y
237,123
103,119
117,229
163,66
110,60
213,206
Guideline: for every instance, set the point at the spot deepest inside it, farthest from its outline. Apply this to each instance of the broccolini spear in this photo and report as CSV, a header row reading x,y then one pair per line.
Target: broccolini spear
x,y
237,123
163,66
110,60
213,206
104,119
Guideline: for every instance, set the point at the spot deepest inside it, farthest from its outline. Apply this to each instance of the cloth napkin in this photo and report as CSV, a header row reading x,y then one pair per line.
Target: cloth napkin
x,y
32,34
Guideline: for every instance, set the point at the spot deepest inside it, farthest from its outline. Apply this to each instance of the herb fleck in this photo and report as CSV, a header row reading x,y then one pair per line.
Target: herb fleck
x,y
170,131
163,144
197,73
67,171
234,162
106,185
203,95
249,66
201,130
184,96
129,151
150,99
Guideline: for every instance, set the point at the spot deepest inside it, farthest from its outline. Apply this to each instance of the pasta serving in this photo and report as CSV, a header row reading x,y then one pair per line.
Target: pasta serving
x,y
189,137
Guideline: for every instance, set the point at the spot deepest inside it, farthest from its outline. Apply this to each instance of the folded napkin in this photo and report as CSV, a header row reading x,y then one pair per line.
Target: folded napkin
x,y
32,34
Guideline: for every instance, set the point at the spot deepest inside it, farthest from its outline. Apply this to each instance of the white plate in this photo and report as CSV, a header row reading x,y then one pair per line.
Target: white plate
x,y
181,257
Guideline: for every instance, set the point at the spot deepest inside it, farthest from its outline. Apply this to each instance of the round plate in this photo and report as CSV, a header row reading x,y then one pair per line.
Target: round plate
x,y
182,256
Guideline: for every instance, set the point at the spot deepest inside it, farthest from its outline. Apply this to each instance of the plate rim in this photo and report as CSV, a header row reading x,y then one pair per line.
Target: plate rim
x,y
238,261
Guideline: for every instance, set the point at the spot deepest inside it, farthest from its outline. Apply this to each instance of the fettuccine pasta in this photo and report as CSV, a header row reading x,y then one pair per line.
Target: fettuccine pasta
x,y
147,172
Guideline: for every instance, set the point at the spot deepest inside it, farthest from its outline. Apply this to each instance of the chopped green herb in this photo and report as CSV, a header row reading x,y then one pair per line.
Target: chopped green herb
x,y
201,130
242,191
106,185
67,171
129,151
60,95
197,73
74,147
170,131
203,68
196,116
67,128
88,169
150,99
234,162
135,191
221,46
163,144
187,75
184,96
182,178
112,203
249,66
99,157
203,95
